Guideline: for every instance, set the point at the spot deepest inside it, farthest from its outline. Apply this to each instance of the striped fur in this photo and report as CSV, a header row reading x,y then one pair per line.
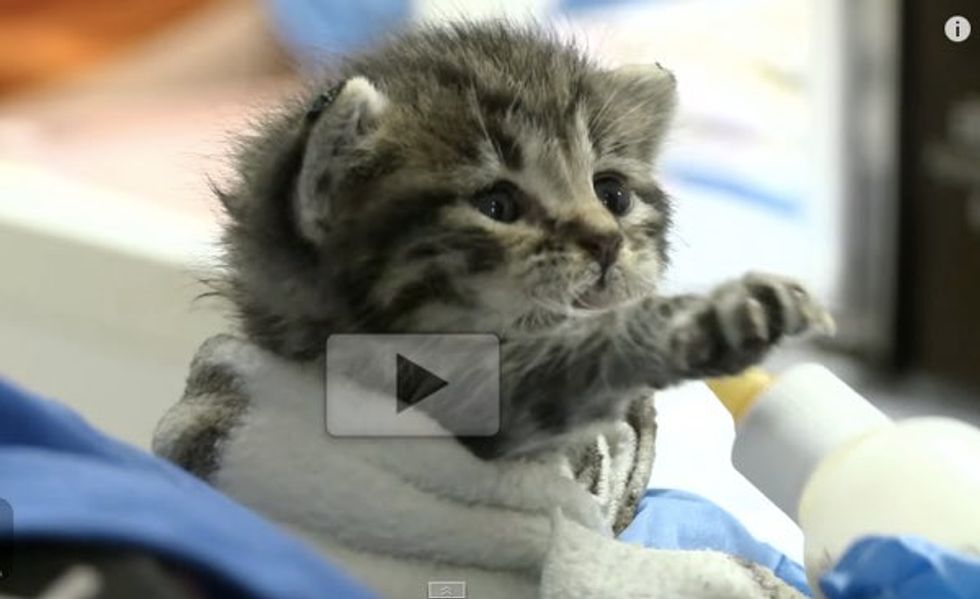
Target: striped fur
x,y
354,213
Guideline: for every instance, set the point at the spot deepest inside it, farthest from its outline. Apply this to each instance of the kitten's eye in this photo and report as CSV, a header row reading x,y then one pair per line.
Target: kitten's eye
x,y
613,193
499,203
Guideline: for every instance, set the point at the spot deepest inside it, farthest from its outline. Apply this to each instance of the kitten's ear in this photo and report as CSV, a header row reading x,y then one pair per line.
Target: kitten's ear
x,y
340,121
645,96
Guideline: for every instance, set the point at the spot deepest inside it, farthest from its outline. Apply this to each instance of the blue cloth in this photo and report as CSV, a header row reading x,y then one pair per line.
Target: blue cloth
x,y
878,567
66,481
315,31
902,568
668,519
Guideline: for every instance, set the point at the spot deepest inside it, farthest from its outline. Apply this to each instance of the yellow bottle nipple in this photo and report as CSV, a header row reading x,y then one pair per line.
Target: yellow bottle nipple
x,y
738,393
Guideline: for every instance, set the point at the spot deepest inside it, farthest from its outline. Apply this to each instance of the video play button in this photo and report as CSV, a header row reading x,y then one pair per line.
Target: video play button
x,y
413,383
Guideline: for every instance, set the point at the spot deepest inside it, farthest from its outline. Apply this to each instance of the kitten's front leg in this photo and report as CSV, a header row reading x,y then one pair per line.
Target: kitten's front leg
x,y
733,327
586,370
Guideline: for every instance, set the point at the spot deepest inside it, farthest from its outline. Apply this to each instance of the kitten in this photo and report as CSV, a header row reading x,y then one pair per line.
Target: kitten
x,y
482,178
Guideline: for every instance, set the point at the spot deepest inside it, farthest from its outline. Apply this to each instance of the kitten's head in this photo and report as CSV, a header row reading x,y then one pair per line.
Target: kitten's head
x,y
473,178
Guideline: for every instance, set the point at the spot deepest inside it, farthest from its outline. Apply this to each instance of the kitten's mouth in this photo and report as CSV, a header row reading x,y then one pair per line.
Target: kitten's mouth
x,y
595,297
603,292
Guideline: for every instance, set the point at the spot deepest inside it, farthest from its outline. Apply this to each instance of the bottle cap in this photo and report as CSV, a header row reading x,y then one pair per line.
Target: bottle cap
x,y
783,432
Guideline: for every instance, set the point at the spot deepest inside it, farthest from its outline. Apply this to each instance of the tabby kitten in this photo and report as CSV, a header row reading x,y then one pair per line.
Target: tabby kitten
x,y
482,178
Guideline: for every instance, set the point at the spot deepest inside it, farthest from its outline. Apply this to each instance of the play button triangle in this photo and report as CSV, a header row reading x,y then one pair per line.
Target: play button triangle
x,y
414,383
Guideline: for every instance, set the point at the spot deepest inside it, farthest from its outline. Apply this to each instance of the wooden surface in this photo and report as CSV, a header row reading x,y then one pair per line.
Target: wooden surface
x,y
43,40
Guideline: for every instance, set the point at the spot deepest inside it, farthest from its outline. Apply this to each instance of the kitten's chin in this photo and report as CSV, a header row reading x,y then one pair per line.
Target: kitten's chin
x,y
606,297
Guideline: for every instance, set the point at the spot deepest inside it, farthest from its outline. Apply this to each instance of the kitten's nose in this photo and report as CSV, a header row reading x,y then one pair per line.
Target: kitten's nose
x,y
604,247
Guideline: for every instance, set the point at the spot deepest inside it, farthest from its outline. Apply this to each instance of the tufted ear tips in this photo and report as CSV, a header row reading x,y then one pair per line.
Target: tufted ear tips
x,y
650,74
650,82
360,96
340,120
647,93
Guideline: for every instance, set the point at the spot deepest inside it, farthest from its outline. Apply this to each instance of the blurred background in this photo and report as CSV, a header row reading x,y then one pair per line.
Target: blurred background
x,y
834,140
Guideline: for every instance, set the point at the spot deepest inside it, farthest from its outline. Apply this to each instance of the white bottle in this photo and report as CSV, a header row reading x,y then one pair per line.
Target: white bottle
x,y
826,456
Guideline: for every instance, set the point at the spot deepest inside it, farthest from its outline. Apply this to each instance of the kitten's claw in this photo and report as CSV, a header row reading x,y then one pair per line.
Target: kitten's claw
x,y
734,326
790,308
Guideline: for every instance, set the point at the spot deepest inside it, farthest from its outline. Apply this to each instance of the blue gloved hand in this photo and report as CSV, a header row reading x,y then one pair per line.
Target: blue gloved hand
x,y
902,568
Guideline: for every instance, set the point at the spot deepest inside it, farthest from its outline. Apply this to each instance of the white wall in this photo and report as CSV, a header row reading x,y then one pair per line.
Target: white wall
x,y
107,330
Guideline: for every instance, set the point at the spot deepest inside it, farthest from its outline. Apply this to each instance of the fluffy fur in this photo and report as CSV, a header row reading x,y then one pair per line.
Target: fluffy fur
x,y
482,178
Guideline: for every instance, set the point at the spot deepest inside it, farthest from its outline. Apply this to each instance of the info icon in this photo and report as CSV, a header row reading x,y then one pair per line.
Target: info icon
x,y
413,385
957,28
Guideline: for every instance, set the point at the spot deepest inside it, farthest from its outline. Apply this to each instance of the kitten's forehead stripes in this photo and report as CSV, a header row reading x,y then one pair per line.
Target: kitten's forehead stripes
x,y
509,129
508,149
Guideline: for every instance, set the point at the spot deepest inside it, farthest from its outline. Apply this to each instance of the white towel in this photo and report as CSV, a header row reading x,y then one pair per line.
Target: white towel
x,y
400,512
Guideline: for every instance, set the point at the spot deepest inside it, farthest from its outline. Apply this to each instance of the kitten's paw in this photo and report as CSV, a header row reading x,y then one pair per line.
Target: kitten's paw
x,y
742,319
776,306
